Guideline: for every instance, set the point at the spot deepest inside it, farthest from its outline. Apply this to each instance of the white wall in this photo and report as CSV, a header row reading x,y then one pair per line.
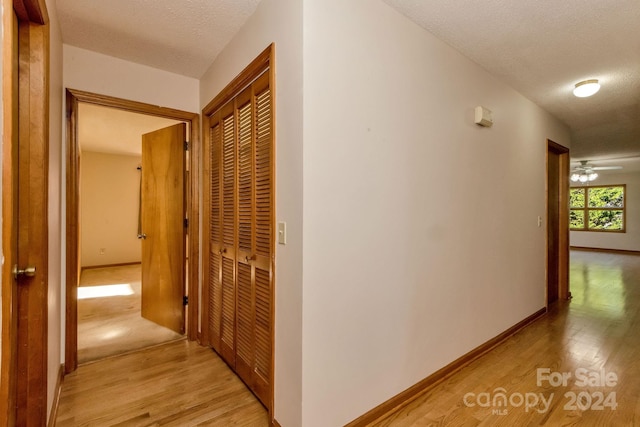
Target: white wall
x,y
420,228
106,75
278,21
56,189
109,203
629,241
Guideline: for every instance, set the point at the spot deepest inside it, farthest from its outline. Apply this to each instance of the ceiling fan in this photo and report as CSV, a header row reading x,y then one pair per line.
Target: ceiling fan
x,y
585,171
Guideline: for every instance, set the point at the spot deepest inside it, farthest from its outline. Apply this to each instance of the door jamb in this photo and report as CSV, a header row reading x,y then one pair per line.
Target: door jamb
x,y
564,292
73,97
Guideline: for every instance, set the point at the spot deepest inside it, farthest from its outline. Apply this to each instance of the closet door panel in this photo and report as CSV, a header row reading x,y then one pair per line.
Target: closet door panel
x,y
246,311
214,241
229,219
263,243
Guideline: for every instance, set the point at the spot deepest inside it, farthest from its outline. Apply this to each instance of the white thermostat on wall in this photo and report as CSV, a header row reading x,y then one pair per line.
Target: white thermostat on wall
x,y
483,116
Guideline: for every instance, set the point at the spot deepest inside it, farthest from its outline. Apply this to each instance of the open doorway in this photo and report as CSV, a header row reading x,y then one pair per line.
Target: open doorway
x,y
110,319
111,188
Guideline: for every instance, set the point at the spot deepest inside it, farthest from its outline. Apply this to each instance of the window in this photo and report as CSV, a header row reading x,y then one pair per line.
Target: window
x,y
597,208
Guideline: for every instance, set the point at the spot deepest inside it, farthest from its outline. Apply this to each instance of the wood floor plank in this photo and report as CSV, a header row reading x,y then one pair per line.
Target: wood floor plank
x,y
176,384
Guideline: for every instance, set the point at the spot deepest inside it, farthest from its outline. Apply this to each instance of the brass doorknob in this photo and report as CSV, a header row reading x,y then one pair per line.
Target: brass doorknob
x,y
142,236
27,272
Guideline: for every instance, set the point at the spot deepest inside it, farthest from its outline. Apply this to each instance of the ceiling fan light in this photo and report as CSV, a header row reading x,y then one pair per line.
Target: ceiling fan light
x,y
592,176
584,178
586,88
575,177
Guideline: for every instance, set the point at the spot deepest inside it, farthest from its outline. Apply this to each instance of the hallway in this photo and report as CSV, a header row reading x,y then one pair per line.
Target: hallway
x,y
597,330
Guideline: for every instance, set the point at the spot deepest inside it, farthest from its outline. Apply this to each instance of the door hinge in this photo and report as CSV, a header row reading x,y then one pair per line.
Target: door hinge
x,y
186,223
185,300
186,146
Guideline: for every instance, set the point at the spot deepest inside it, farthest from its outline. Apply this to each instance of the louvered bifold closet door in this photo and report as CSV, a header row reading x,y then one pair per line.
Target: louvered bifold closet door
x,y
240,217
228,232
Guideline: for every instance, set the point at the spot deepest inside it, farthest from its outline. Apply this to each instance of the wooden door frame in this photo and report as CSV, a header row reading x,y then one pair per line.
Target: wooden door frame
x,y
73,97
563,220
23,389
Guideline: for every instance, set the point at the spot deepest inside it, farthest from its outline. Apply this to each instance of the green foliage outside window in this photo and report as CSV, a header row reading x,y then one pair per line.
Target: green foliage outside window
x,y
597,208
577,197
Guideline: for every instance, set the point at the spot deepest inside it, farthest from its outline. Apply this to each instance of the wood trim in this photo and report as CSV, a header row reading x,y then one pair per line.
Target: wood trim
x,y
605,250
275,423
132,106
241,81
73,235
120,264
405,397
56,397
274,237
34,11
8,367
563,262
73,196
193,212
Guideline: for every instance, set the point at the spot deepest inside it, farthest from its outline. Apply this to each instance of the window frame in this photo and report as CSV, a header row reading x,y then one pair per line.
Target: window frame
x,y
586,209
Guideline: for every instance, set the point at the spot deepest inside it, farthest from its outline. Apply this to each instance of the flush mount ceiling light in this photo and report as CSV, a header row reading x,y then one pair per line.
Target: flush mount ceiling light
x,y
586,88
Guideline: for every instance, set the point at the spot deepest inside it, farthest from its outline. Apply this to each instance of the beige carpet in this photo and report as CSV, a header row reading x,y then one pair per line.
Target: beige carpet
x,y
109,325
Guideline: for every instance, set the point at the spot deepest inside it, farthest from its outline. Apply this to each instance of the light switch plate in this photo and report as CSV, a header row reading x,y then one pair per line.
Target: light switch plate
x,y
282,233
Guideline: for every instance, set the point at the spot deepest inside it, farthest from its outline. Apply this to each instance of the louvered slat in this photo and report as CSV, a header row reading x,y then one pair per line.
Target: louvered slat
x,y
228,304
263,324
215,289
228,173
245,171
244,316
214,208
263,202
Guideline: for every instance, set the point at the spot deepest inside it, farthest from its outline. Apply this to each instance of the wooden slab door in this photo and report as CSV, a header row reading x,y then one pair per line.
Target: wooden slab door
x,y
163,228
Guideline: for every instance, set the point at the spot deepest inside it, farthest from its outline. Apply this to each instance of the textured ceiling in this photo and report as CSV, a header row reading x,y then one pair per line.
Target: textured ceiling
x,y
542,48
108,130
183,37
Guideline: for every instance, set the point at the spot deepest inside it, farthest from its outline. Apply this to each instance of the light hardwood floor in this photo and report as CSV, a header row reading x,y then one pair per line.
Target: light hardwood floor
x,y
113,325
175,384
598,330
182,384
